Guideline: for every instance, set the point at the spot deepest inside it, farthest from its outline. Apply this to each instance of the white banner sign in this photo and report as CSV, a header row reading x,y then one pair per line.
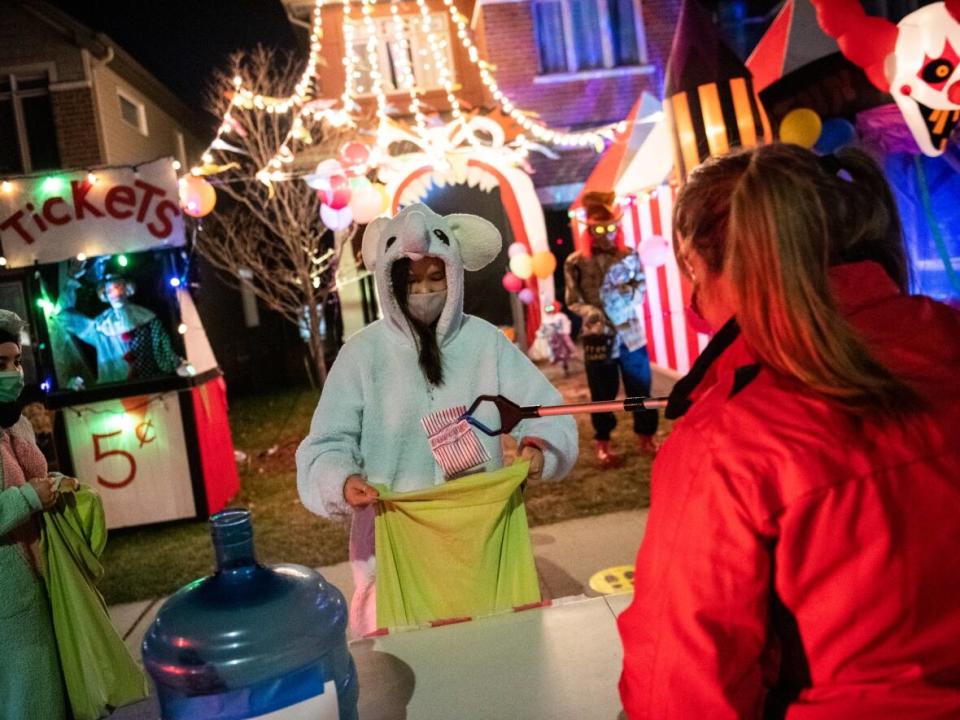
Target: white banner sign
x,y
53,217
133,452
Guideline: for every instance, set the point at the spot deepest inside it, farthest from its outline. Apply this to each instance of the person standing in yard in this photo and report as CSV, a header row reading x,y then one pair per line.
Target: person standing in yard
x,y
423,356
604,284
31,683
802,553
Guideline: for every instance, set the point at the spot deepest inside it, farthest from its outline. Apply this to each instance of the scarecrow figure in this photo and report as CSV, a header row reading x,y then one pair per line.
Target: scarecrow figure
x,y
604,286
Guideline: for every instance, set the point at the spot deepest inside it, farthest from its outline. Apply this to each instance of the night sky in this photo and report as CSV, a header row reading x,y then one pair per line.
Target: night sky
x,y
182,42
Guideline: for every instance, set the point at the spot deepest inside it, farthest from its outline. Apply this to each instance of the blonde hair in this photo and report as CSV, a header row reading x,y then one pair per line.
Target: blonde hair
x,y
776,247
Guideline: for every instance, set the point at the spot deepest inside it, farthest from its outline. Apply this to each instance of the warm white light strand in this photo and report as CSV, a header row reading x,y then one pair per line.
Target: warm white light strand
x,y
404,68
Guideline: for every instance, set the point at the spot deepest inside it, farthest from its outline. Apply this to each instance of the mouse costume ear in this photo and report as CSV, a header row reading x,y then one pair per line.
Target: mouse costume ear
x,y
370,247
479,240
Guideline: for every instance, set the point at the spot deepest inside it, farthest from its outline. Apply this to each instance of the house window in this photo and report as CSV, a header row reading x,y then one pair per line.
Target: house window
x,y
132,112
404,56
28,135
583,35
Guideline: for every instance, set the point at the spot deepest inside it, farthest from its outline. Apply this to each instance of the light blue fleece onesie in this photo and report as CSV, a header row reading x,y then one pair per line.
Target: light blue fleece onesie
x,y
368,418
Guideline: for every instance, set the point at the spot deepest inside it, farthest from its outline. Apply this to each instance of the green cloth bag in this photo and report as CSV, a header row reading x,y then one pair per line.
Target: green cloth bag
x,y
461,549
99,672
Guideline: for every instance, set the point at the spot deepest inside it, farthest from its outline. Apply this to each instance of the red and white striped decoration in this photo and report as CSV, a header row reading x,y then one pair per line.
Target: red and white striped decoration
x,y
671,340
455,446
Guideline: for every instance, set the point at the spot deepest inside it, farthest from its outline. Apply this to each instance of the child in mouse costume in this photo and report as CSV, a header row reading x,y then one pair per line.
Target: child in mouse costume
x,y
423,356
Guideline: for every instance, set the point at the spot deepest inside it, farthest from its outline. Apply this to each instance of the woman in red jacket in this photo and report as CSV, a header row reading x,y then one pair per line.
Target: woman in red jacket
x,y
802,553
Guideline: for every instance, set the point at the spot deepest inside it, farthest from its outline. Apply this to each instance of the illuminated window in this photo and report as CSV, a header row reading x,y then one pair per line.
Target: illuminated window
x,y
132,112
28,136
403,53
583,35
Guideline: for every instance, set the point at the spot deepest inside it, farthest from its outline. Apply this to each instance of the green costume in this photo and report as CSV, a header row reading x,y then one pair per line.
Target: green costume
x,y
31,687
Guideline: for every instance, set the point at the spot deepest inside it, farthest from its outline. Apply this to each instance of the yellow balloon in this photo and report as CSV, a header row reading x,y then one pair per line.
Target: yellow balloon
x,y
801,127
197,196
521,266
544,263
384,196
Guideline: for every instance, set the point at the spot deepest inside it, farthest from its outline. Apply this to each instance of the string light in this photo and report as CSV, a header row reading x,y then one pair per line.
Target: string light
x,y
6,186
436,54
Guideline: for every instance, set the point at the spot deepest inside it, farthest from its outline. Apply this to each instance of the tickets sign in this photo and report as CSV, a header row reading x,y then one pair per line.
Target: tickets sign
x,y
53,217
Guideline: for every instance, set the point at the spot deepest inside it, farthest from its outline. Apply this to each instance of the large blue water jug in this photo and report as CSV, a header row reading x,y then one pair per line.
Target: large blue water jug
x,y
251,640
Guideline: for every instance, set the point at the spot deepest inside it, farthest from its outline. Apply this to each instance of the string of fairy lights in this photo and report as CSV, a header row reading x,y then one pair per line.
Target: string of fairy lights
x,y
364,77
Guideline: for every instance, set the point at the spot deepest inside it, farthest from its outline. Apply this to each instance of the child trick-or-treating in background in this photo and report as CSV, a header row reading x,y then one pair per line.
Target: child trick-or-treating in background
x,y
614,342
425,355
555,331
130,341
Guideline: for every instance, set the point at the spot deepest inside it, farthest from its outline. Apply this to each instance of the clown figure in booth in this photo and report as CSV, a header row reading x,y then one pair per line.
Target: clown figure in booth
x,y
604,286
130,341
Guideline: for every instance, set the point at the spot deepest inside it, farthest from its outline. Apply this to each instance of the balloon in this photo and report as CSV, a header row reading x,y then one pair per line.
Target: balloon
x,y
543,264
355,155
366,204
320,179
526,296
511,283
336,219
836,133
516,249
654,251
384,196
801,127
521,266
359,183
197,196
338,194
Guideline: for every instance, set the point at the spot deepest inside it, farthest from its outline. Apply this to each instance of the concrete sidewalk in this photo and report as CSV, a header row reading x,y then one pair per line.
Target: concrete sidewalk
x,y
567,555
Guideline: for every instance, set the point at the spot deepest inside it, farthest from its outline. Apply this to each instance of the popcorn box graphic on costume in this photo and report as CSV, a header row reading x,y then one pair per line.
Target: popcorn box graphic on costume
x,y
252,641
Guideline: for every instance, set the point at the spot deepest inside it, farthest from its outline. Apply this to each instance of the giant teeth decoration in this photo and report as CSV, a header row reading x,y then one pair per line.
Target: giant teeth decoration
x,y
917,61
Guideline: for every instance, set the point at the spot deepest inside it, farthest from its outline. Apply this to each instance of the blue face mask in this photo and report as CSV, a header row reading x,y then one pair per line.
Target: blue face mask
x,y
11,385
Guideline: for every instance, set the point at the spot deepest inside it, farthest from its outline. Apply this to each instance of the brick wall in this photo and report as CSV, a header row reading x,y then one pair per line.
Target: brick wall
x,y
510,42
77,137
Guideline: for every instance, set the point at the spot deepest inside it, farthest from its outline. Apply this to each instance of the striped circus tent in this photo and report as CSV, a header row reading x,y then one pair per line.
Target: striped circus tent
x,y
672,342
711,104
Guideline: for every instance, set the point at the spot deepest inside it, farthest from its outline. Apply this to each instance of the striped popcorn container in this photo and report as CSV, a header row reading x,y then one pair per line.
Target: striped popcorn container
x,y
713,119
453,442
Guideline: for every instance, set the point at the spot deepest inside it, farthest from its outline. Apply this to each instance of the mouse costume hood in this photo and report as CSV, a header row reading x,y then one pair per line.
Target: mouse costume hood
x,y
462,242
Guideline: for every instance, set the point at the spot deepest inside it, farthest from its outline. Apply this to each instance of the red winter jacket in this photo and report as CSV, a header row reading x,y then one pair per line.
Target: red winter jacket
x,y
789,545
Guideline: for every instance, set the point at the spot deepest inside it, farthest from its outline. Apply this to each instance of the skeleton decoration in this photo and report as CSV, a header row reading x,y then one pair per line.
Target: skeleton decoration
x,y
916,61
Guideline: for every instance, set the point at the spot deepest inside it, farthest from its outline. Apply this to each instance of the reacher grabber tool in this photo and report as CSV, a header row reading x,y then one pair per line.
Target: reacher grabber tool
x,y
511,413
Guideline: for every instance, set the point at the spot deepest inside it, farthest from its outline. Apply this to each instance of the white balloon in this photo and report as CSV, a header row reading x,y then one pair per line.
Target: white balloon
x,y
320,179
654,251
336,219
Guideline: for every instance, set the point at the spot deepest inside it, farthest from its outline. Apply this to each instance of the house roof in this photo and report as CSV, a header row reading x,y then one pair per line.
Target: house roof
x,y
102,46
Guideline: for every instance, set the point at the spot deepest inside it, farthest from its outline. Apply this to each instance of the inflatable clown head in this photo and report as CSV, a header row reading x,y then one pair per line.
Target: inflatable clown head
x,y
924,72
917,61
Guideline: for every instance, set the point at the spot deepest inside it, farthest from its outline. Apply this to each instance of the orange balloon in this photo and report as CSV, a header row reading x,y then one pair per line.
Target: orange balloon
x,y
544,263
197,196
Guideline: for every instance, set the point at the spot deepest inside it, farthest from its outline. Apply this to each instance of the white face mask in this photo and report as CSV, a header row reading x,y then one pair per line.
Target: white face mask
x,y
426,307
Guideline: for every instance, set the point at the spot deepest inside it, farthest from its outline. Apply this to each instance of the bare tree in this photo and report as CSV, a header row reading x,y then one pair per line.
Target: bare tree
x,y
270,237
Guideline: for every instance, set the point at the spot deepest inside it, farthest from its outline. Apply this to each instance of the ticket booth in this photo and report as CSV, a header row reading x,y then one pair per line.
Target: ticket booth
x,y
97,264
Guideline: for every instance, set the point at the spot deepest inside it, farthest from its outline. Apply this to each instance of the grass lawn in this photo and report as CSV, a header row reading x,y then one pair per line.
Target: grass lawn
x,y
151,562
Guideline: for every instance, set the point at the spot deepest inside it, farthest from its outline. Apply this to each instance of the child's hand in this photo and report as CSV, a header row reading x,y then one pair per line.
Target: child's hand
x,y
535,456
358,493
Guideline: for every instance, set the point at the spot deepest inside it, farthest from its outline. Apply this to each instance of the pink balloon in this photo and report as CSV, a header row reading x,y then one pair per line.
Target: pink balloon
x,y
338,196
511,283
516,249
526,296
654,251
354,154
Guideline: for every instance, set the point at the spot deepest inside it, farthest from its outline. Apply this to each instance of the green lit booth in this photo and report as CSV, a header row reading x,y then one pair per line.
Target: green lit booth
x,y
97,263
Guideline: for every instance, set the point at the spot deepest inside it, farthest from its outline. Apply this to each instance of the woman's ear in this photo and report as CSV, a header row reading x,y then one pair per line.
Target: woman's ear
x,y
479,240
370,246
